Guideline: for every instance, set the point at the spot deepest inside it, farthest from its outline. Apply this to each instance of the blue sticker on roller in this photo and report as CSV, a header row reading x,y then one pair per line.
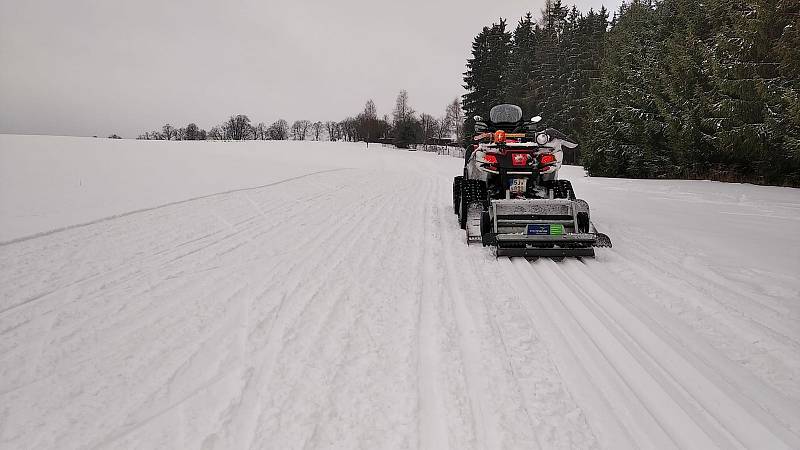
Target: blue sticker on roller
x,y
535,229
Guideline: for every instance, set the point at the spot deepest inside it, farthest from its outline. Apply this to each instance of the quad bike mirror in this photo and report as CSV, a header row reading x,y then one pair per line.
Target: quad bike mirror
x,y
536,119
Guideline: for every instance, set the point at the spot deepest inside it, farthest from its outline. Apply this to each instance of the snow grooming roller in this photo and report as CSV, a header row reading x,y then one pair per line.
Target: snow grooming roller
x,y
541,228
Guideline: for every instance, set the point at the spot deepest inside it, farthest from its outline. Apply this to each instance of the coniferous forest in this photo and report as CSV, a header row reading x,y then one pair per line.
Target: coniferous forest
x,y
656,89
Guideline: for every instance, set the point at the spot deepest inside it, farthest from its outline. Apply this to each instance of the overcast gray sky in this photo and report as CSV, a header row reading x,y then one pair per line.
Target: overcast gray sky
x,y
96,67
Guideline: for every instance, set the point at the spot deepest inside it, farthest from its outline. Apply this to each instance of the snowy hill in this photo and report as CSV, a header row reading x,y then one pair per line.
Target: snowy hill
x,y
320,295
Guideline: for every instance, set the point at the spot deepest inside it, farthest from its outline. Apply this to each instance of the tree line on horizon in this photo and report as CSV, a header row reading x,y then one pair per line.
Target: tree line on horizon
x,y
662,89
403,128
238,127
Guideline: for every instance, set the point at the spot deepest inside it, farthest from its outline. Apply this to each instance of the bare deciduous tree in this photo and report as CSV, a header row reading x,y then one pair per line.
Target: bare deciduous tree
x,y
192,132
406,129
349,129
402,109
429,126
169,132
278,131
300,129
261,131
454,116
216,133
334,133
317,129
238,128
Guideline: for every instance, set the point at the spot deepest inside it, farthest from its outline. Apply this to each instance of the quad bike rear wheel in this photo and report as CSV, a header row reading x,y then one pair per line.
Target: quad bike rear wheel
x,y
471,200
487,238
583,222
562,189
456,192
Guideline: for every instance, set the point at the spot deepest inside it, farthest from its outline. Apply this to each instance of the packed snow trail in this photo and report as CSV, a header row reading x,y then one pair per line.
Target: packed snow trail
x,y
338,306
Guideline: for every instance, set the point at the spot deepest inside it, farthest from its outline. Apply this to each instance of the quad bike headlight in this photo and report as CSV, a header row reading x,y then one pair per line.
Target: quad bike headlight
x,y
542,138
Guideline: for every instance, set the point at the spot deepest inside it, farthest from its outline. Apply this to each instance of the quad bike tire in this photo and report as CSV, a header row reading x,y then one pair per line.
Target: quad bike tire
x,y
583,222
487,238
456,192
472,191
562,189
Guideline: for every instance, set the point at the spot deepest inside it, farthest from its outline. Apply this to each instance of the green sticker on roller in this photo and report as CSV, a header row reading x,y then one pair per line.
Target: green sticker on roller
x,y
557,229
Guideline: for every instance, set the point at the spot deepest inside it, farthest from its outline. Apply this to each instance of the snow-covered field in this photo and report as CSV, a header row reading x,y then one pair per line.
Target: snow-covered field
x,y
320,295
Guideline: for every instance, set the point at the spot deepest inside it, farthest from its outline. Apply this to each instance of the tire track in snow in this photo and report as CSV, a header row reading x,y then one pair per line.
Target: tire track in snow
x,y
151,232
750,309
484,422
711,317
133,279
122,227
303,288
666,412
655,370
503,399
672,389
616,417
278,273
181,384
331,230
334,328
431,422
165,205
723,388
143,266
212,254
148,258
359,367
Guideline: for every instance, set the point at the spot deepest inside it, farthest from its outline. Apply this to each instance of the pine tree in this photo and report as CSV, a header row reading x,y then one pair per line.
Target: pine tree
x,y
627,133
548,80
574,73
787,53
522,64
486,78
752,132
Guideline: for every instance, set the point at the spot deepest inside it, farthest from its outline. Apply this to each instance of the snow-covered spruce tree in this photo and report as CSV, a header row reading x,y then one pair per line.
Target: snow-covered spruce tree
x,y
787,52
753,114
582,42
486,77
683,29
627,133
709,90
548,79
522,64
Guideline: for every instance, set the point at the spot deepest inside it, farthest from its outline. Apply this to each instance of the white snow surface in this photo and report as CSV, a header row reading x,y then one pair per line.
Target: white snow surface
x,y
288,295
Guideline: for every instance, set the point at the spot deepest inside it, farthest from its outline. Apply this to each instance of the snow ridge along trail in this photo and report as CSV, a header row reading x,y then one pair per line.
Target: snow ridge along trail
x,y
336,305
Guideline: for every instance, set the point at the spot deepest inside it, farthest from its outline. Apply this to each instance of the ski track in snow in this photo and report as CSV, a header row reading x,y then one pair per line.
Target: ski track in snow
x,y
343,309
